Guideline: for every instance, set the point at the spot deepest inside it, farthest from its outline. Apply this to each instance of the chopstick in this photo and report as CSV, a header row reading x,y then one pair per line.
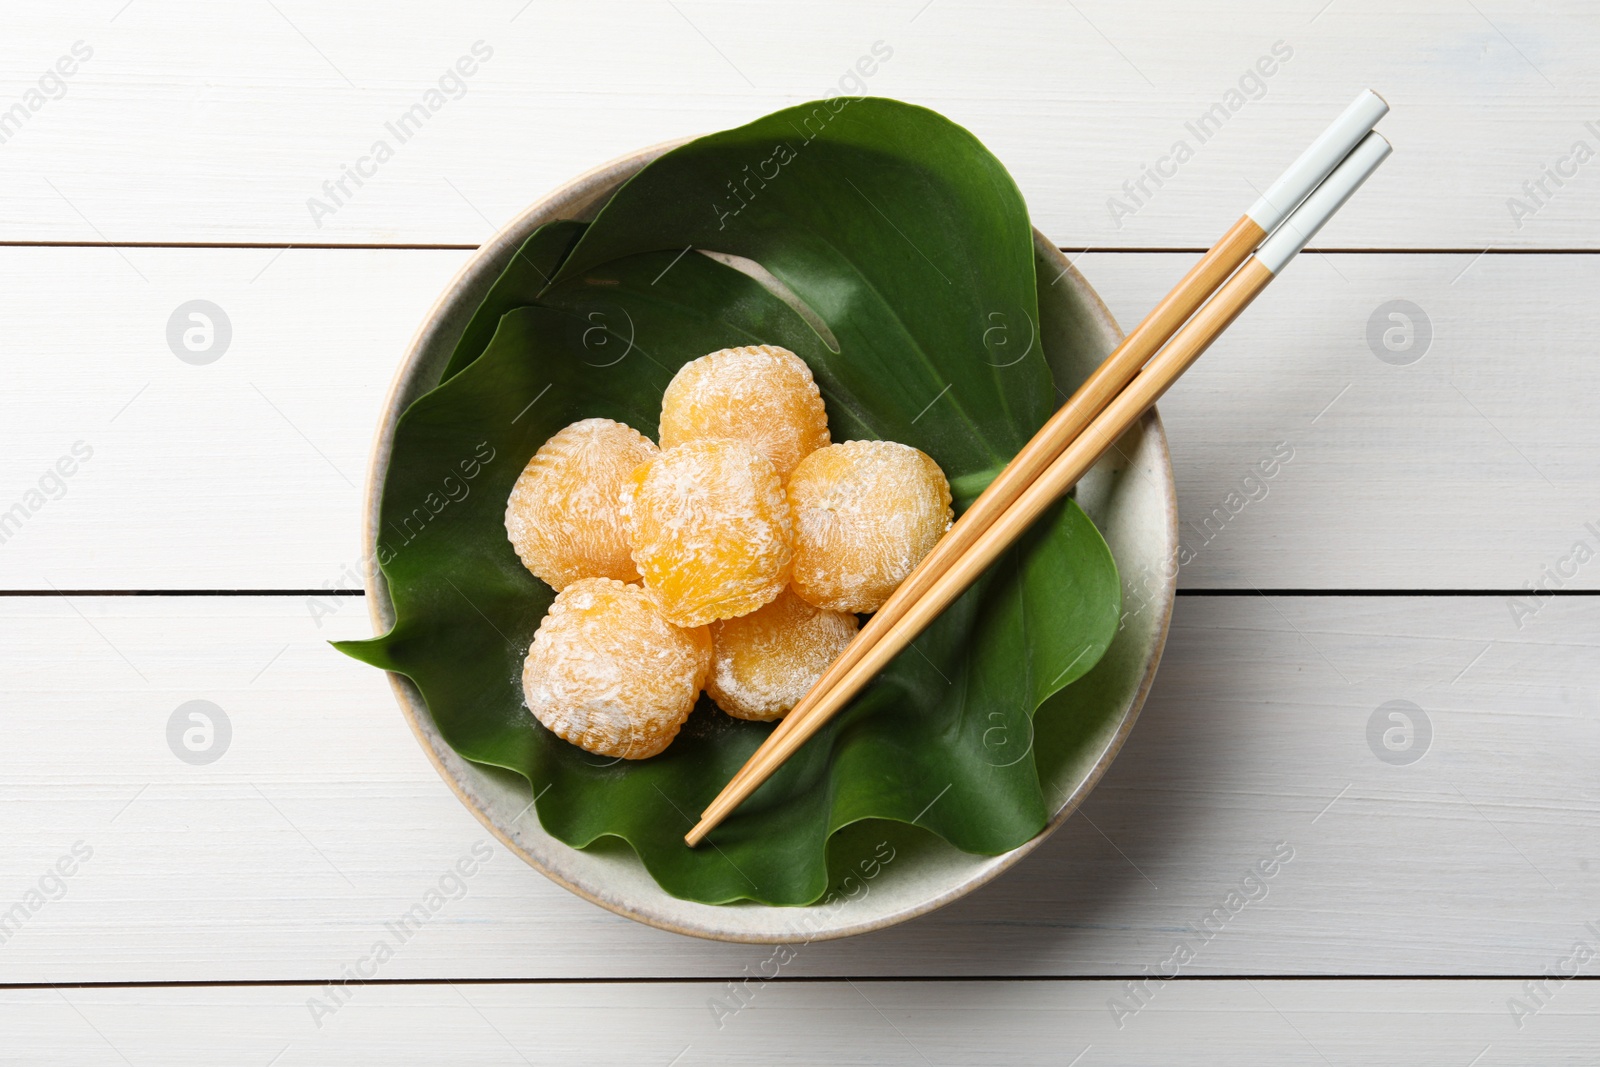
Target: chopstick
x,y
1224,257
1060,474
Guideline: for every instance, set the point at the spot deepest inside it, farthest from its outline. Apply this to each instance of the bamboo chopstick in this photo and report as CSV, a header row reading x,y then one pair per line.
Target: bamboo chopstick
x,y
1063,472
1224,257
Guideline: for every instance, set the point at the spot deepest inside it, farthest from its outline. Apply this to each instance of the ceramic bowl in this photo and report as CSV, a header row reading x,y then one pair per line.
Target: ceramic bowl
x,y
1129,495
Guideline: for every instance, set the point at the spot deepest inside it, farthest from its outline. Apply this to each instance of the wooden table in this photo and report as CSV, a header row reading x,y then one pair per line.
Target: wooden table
x,y
182,529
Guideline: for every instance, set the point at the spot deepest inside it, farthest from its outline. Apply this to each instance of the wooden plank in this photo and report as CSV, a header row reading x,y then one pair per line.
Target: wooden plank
x,y
1473,467
196,122
1213,1022
322,822
245,472
1457,460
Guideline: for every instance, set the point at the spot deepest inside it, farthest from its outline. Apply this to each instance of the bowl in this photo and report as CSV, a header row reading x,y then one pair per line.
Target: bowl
x,y
1129,494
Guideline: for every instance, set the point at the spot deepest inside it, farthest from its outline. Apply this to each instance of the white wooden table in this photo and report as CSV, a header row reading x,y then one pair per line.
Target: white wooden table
x,y
202,546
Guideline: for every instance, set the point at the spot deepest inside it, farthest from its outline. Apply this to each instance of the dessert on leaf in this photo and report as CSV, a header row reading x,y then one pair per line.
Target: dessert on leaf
x,y
710,529
764,662
564,517
607,672
762,395
730,559
865,514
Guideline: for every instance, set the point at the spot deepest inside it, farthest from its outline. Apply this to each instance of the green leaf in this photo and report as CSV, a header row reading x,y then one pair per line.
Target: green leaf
x,y
529,271
897,229
898,243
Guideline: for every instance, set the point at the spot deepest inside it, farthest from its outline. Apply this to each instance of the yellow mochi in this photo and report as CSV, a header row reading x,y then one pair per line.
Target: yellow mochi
x,y
763,663
607,672
564,516
762,395
710,529
865,513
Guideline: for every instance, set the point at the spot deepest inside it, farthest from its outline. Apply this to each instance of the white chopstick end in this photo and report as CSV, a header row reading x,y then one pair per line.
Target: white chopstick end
x,y
1300,227
1319,160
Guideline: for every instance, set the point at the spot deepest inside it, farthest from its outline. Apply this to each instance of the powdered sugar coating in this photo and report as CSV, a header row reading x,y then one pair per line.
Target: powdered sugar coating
x,y
764,662
710,528
607,672
564,515
762,395
865,514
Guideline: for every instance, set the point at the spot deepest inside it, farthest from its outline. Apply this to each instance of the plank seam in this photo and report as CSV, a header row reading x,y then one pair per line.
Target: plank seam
x,y
1109,250
317,983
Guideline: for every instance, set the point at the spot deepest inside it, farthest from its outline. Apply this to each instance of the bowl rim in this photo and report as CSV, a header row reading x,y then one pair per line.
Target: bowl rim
x,y
565,201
